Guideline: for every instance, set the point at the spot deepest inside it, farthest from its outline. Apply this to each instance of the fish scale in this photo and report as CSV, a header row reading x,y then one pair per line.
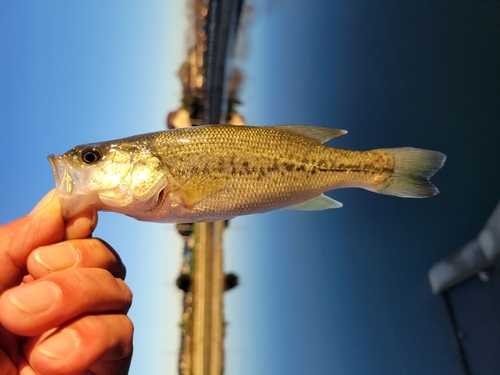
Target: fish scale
x,y
257,175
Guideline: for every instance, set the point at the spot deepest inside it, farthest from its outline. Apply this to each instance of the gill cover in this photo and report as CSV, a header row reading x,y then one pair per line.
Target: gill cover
x,y
106,176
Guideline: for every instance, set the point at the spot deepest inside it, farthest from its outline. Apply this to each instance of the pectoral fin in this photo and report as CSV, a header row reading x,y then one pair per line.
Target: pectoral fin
x,y
199,187
321,202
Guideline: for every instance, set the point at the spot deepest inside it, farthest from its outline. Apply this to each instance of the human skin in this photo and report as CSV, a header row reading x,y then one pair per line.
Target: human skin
x,y
63,301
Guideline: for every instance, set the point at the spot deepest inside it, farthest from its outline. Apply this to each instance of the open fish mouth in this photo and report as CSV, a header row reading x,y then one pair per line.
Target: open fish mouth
x,y
64,182
72,199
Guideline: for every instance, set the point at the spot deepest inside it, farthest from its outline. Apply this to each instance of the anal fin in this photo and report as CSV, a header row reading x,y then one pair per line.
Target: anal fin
x,y
318,133
321,202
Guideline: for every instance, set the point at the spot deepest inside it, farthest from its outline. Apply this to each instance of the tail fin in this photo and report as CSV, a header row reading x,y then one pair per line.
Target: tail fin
x,y
413,168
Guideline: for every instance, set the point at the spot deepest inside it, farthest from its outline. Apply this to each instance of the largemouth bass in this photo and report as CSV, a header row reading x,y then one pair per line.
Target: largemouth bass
x,y
217,172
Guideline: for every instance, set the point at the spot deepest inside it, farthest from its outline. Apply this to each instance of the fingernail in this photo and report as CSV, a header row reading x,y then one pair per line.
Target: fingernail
x,y
45,200
59,345
57,257
35,297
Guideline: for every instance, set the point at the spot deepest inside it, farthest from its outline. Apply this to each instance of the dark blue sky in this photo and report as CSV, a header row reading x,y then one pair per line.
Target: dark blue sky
x,y
346,291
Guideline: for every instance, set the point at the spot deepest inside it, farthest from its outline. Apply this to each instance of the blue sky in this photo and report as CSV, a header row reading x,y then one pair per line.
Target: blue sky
x,y
343,291
72,73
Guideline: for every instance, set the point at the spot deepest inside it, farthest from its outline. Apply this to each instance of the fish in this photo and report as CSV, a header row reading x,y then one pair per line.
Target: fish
x,y
217,172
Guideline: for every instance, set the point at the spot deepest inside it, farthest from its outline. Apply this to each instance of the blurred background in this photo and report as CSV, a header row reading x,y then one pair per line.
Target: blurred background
x,y
337,292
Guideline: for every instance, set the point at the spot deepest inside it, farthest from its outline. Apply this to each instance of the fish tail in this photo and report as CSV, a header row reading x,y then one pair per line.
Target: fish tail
x,y
412,170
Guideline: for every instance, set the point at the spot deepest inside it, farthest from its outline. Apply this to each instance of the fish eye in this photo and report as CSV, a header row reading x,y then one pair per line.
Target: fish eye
x,y
90,155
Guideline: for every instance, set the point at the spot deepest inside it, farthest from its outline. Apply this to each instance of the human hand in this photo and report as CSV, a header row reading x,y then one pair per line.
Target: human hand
x,y
63,302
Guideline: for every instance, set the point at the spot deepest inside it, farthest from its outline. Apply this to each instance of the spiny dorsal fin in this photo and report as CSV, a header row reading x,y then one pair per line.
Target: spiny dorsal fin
x,y
319,133
321,202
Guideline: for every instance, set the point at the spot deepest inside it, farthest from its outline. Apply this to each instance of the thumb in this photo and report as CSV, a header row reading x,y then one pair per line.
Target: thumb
x,y
43,226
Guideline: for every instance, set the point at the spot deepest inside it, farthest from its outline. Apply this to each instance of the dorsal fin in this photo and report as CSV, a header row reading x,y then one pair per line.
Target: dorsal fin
x,y
319,133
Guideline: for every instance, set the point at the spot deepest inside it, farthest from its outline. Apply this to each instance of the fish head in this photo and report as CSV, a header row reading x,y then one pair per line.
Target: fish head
x,y
124,178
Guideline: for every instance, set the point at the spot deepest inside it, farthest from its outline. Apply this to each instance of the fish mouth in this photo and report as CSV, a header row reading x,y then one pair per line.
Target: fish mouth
x,y
73,200
64,183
